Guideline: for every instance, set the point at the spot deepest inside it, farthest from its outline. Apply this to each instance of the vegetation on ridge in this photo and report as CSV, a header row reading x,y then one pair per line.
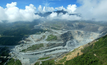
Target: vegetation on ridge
x,y
95,54
33,47
44,58
12,33
51,37
14,62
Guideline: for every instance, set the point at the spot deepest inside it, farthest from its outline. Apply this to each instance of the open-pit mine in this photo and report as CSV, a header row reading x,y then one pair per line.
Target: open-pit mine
x,y
60,38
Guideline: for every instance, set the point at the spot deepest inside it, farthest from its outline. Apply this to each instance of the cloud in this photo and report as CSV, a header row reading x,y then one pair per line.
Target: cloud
x,y
45,9
69,17
3,16
13,4
70,8
53,15
60,8
12,13
93,9
89,9
62,16
40,8
50,9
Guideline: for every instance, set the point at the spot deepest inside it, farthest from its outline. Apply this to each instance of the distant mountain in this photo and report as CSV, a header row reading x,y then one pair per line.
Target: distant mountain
x,y
58,12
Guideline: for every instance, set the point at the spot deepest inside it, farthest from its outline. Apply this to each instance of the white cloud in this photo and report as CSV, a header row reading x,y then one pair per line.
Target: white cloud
x,y
69,17
62,16
93,9
12,13
45,9
52,16
40,8
60,8
3,16
89,9
13,4
71,8
50,9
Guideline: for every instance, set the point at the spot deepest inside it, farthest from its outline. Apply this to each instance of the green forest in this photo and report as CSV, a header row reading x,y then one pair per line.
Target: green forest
x,y
95,54
12,33
14,62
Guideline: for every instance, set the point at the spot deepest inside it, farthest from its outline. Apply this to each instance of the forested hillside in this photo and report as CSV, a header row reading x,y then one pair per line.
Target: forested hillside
x,y
12,33
95,54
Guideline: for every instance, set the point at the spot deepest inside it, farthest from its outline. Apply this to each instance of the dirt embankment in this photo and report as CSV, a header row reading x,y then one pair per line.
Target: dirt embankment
x,y
76,52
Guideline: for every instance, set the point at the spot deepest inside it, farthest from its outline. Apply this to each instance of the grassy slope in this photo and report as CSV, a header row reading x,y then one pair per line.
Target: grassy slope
x,y
44,58
33,47
48,62
51,37
95,54
14,62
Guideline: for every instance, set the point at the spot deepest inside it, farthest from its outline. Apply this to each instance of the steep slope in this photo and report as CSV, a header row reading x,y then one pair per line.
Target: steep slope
x,y
93,53
60,38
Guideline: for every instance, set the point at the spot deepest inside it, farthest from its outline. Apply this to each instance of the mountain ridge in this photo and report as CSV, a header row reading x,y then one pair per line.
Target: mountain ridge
x,y
45,14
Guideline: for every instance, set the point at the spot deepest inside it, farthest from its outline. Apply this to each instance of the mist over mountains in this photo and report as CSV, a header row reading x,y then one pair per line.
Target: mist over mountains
x,y
13,14
88,10
58,13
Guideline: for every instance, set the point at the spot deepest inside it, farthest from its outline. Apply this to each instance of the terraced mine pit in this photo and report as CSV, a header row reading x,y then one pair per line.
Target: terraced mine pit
x,y
54,42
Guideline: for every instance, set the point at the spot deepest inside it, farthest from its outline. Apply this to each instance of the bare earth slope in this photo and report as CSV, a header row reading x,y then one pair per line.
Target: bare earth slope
x,y
60,38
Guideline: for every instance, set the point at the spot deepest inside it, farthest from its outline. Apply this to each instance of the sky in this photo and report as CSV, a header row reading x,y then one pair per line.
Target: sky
x,y
24,10
52,3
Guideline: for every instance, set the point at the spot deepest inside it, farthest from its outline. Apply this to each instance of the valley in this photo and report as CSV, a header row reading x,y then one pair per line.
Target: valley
x,y
53,32
59,39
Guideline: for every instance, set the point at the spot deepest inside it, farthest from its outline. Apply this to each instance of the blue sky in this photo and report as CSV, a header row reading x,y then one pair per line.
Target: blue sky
x,y
36,3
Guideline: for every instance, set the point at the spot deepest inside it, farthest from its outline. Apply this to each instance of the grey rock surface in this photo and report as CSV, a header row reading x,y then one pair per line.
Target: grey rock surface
x,y
69,36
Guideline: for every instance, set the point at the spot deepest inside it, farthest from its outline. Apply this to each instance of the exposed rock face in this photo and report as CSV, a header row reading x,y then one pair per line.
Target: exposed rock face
x,y
69,36
66,36
74,38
